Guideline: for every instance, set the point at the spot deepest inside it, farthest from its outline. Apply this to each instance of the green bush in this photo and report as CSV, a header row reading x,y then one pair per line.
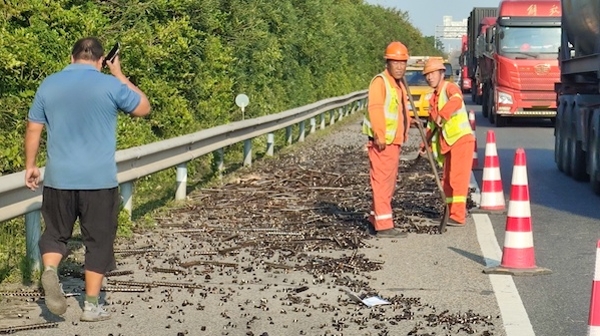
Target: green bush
x,y
192,57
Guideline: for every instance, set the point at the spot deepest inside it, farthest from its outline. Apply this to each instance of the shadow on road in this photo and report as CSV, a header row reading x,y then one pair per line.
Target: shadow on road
x,y
475,257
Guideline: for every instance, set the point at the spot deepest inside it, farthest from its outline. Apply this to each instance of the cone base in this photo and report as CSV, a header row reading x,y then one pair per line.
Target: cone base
x,y
517,271
488,211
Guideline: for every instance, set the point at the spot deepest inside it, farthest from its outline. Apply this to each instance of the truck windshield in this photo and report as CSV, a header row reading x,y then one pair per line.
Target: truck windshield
x,y
415,77
529,42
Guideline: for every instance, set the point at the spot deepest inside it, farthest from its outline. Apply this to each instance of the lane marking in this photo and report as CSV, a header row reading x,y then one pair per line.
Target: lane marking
x,y
514,316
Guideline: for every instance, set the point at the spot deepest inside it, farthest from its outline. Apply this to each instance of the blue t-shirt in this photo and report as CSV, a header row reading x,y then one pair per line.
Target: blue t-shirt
x,y
79,107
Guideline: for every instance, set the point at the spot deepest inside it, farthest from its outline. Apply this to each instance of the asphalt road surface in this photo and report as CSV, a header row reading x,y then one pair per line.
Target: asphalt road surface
x,y
433,273
565,216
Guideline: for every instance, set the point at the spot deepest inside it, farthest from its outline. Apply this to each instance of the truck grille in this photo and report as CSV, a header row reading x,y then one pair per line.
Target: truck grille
x,y
529,80
542,96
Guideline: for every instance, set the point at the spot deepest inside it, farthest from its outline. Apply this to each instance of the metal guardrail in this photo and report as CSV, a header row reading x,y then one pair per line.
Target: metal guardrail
x,y
134,163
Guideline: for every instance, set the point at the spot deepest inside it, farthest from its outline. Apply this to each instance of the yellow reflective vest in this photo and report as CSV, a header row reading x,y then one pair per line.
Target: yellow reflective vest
x,y
390,108
453,129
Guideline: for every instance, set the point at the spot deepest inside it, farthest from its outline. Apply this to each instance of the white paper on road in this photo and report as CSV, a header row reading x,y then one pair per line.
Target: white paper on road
x,y
369,302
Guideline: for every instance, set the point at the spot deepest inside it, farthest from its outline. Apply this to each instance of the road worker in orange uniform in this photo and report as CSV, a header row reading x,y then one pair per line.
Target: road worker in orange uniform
x,y
386,124
452,144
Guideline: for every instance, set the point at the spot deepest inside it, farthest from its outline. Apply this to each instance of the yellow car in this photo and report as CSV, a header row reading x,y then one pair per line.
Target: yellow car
x,y
419,90
449,75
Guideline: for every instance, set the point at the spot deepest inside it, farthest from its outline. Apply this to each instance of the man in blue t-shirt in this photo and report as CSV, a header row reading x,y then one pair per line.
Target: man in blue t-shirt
x,y
78,106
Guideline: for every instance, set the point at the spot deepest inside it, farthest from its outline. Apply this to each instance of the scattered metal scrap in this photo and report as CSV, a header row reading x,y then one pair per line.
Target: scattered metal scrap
x,y
37,326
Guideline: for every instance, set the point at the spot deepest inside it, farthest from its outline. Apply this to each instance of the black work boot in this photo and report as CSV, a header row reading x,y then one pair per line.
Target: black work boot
x,y
392,233
452,222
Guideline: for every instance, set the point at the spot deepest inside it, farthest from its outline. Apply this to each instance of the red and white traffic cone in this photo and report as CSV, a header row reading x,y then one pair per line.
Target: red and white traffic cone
x,y
594,317
518,255
492,194
475,165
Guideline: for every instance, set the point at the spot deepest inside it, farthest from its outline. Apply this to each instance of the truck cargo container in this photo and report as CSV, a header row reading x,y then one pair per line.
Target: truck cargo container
x,y
577,127
473,30
485,60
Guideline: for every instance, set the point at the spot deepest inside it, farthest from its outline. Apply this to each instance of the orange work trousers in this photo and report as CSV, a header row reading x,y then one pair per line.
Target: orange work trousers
x,y
457,175
383,173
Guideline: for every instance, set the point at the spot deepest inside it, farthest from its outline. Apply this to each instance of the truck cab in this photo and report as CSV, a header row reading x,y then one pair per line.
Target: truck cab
x,y
525,40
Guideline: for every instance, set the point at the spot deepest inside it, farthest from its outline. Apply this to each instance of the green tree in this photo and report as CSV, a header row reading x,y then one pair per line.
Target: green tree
x,y
192,57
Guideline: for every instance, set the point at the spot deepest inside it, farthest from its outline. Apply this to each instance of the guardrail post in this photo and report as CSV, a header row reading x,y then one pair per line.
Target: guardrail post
x,y
322,116
313,125
288,135
331,117
341,112
270,144
248,152
302,131
220,162
127,196
181,190
33,232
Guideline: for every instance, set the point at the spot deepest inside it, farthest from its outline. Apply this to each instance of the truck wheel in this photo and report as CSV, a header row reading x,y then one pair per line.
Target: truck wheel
x,y
484,105
594,154
558,129
577,164
565,139
490,103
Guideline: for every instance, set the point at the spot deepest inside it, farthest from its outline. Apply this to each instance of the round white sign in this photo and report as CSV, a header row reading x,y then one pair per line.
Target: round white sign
x,y
242,100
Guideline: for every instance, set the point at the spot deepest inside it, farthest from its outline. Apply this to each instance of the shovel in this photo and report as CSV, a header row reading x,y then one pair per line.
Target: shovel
x,y
444,220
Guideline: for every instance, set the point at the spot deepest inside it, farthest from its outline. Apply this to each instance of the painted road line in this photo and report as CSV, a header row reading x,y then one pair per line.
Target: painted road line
x,y
514,316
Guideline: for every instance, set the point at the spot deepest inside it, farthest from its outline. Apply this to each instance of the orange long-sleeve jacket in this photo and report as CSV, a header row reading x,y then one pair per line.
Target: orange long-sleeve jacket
x,y
377,92
453,104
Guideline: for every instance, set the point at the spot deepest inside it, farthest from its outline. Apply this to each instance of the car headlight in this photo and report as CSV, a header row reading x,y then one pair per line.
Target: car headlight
x,y
504,98
428,96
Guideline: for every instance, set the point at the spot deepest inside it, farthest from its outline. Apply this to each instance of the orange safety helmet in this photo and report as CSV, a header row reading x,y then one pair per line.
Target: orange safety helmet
x,y
433,64
396,51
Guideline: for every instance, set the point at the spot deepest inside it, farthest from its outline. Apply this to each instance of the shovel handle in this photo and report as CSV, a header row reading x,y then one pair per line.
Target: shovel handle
x,y
429,154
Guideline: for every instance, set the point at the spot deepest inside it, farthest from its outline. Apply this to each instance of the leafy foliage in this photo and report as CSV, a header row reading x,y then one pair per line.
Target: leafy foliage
x,y
193,56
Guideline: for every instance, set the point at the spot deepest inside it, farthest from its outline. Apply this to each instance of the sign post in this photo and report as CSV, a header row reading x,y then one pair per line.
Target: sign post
x,y
242,101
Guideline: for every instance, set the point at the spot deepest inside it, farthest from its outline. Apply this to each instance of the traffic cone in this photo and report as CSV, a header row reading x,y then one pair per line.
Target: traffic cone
x,y
492,194
594,317
518,256
475,165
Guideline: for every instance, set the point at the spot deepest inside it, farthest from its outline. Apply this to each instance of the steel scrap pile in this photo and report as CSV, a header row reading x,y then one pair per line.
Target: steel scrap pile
x,y
263,251
312,196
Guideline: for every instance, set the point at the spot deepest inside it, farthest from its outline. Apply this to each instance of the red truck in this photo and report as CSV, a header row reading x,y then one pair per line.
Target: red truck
x,y
523,44
465,80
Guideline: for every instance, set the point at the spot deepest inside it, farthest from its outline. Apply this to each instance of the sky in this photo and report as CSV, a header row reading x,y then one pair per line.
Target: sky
x,y
427,14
